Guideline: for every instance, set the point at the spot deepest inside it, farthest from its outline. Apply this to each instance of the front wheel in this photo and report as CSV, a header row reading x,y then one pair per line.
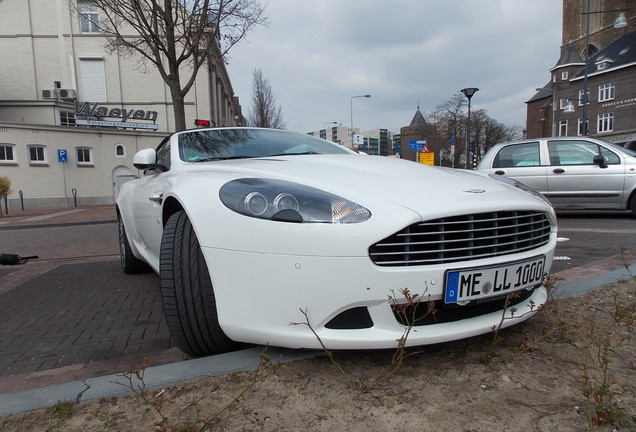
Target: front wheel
x,y
633,204
186,290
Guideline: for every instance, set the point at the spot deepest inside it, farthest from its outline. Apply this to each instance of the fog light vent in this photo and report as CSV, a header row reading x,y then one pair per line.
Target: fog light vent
x,y
351,319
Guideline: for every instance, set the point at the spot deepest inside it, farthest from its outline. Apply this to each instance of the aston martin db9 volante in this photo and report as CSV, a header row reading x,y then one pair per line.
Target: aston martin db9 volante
x,y
272,237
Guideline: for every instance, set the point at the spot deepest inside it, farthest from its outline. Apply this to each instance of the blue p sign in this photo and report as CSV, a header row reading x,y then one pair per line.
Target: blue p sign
x,y
62,156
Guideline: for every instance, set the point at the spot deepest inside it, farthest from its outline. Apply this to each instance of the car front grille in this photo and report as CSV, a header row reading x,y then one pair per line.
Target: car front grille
x,y
463,238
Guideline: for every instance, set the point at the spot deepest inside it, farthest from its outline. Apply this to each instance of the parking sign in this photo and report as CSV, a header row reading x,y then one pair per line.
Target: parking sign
x,y
62,155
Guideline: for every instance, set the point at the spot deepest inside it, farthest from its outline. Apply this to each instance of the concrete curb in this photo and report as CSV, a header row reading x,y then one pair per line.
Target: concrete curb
x,y
578,287
154,377
55,225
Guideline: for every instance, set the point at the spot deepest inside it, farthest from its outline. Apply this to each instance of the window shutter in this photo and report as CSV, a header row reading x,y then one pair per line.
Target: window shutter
x,y
93,80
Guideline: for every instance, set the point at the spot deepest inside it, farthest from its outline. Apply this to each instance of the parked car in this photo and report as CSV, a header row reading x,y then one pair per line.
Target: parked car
x,y
572,172
254,229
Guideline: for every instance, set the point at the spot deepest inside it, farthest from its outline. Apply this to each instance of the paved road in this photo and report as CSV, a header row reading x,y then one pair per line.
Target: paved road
x,y
597,242
72,314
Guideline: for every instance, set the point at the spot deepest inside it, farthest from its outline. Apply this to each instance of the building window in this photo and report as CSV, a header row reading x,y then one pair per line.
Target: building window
x,y
7,154
37,155
564,76
605,122
563,128
606,92
88,17
67,118
93,78
563,103
587,99
579,129
84,156
594,16
120,150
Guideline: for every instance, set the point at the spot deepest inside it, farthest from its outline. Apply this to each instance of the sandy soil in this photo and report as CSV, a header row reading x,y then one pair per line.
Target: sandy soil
x,y
533,379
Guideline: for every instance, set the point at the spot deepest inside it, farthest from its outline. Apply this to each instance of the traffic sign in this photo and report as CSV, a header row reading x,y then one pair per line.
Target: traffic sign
x,y
62,155
417,145
426,158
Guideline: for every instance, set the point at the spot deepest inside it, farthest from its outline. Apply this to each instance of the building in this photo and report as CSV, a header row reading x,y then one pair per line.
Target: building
x,y
374,141
73,113
415,134
592,88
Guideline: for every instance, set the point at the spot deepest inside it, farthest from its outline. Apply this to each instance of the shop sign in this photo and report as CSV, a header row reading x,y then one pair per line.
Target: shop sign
x,y
93,109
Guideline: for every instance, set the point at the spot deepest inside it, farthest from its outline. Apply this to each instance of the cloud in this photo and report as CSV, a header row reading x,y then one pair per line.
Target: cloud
x,y
319,53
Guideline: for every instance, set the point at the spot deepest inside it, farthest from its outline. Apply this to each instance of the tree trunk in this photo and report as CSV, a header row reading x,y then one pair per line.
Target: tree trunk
x,y
178,107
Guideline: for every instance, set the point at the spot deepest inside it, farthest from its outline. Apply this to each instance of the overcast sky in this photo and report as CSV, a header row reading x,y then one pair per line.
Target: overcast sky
x,y
317,54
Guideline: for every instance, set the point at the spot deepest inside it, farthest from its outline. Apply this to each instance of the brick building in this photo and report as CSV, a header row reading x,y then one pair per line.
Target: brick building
x,y
598,54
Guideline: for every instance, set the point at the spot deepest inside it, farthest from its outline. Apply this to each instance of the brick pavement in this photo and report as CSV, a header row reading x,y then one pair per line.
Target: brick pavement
x,y
72,314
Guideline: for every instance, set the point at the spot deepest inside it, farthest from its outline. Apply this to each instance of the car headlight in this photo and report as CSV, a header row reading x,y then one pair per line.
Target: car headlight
x,y
522,186
284,201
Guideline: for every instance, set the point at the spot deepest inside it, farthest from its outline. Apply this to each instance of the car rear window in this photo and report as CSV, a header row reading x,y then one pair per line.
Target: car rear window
x,y
518,155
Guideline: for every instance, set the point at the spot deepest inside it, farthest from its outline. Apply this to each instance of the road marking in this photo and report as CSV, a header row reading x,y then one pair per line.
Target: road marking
x,y
601,230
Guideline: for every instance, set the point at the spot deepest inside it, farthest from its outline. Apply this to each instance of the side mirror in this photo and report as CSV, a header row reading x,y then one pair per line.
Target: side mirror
x,y
146,159
600,161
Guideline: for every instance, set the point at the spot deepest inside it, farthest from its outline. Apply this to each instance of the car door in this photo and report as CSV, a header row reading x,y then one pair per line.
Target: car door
x,y
575,180
148,198
522,162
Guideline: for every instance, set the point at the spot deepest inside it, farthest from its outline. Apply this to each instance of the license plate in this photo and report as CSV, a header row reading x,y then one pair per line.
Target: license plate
x,y
464,285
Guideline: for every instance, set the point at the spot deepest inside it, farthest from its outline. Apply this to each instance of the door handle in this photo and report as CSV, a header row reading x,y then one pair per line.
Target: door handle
x,y
157,198
558,170
500,172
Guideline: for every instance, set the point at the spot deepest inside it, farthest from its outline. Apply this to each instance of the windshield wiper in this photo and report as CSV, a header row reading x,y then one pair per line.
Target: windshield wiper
x,y
215,158
294,154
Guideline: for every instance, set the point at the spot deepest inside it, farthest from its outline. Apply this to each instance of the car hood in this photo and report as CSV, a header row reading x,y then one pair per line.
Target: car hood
x,y
366,179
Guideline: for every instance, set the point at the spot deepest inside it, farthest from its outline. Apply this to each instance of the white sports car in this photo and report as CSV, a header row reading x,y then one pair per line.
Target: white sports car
x,y
256,230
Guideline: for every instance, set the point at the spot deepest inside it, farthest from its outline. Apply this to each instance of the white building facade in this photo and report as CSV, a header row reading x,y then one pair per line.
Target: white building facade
x,y
374,141
73,114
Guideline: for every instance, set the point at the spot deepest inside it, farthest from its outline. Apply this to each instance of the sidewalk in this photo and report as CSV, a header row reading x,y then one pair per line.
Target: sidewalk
x,y
58,216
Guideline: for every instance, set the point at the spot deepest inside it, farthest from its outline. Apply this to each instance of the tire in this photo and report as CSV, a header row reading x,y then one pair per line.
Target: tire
x,y
188,298
129,262
633,204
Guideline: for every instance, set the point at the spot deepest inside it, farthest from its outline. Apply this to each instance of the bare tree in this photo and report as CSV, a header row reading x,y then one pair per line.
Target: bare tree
x,y
450,119
177,36
264,111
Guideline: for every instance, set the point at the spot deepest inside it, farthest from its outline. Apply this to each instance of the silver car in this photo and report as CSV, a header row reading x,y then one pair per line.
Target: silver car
x,y
572,172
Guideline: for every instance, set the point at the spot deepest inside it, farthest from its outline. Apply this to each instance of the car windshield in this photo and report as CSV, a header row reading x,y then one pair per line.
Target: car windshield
x,y
222,144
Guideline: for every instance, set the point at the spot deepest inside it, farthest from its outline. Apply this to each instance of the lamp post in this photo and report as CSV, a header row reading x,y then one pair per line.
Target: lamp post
x,y
352,98
620,22
468,92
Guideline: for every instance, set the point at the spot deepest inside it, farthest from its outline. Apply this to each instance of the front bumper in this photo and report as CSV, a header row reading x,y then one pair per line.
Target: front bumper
x,y
263,298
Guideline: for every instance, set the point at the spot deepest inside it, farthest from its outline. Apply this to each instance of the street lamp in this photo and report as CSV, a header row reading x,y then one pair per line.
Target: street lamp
x,y
352,98
468,92
619,23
